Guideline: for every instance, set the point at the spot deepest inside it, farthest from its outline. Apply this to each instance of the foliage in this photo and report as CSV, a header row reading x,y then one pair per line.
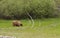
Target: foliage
x,y
18,9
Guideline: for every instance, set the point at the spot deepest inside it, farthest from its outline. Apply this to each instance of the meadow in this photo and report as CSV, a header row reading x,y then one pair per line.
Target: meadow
x,y
42,28
44,23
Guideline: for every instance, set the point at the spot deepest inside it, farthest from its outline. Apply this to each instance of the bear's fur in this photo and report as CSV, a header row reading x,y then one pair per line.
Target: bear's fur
x,y
17,23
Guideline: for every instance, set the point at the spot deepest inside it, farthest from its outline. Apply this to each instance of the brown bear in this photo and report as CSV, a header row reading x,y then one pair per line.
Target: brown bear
x,y
17,23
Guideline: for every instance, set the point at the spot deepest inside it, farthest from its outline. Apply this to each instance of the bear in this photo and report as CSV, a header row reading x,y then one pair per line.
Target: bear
x,y
17,23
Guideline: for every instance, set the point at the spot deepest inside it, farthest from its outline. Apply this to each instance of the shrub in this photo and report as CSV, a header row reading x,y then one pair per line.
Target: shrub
x,y
18,9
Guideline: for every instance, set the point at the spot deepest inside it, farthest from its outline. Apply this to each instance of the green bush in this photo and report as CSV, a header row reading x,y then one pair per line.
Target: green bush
x,y
18,9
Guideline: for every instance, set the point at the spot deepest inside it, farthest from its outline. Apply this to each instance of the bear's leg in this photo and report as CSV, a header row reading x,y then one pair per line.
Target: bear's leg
x,y
21,25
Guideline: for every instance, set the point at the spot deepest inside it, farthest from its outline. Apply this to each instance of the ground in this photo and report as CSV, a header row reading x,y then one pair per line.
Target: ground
x,y
42,28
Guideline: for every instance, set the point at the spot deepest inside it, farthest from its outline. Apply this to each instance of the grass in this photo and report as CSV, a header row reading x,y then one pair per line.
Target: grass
x,y
43,28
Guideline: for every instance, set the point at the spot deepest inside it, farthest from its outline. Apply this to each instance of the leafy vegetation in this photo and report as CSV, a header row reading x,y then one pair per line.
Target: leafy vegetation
x,y
18,9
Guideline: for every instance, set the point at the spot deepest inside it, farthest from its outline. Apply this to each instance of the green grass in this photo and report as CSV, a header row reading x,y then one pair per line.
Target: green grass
x,y
43,28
